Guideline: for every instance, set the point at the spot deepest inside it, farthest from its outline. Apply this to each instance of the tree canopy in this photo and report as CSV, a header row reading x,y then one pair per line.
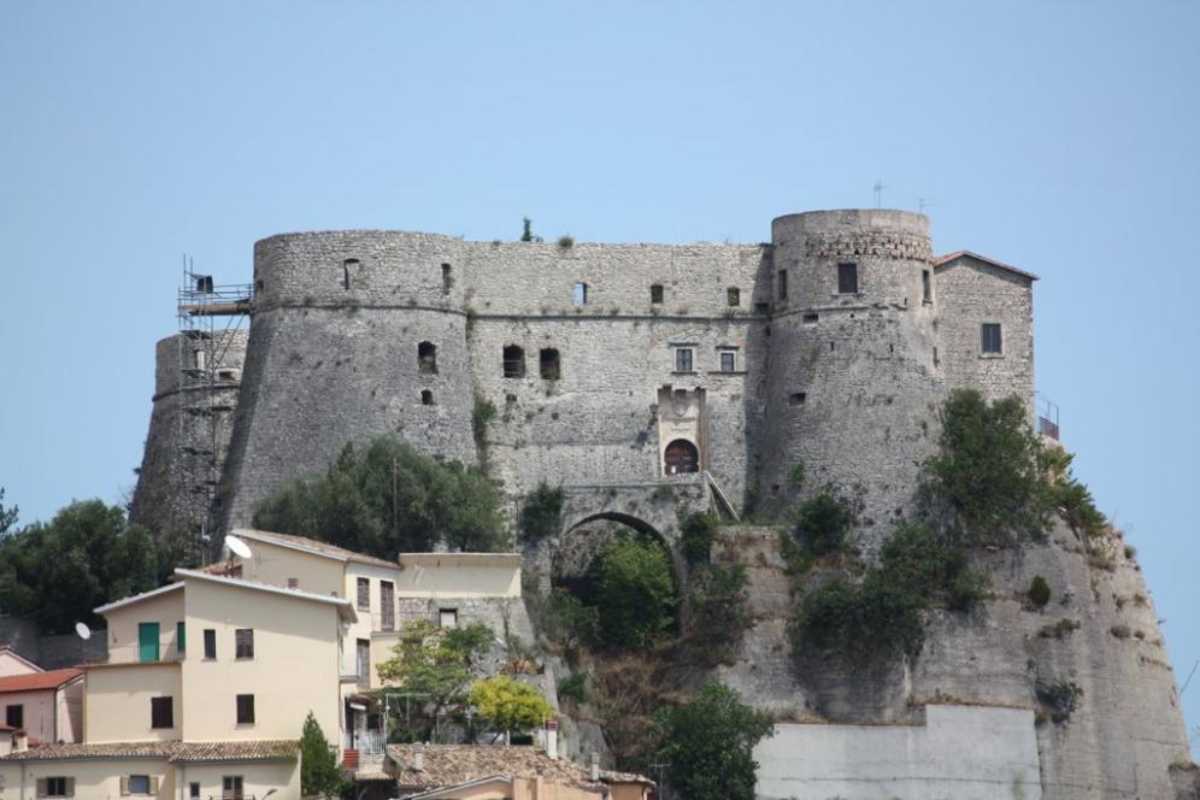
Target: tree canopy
x,y
8,516
708,745
320,775
388,498
509,705
55,573
635,591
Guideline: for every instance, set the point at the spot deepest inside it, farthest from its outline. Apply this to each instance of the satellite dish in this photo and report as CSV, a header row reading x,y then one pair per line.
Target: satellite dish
x,y
83,631
237,547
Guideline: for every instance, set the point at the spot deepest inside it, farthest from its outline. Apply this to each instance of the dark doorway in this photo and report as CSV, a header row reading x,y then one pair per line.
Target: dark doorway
x,y
682,456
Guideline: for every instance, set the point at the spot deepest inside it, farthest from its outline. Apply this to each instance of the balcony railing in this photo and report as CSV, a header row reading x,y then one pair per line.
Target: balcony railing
x,y
1047,417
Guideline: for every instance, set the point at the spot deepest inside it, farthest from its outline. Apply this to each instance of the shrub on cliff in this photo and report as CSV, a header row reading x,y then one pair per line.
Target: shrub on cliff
x,y
697,533
635,593
389,499
708,745
986,483
823,521
541,515
720,613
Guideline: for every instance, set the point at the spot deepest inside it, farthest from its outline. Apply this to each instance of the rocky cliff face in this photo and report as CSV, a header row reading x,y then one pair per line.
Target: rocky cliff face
x,y
1098,633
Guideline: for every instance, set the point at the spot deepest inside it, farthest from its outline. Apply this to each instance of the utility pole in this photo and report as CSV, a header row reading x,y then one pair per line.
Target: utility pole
x,y
879,187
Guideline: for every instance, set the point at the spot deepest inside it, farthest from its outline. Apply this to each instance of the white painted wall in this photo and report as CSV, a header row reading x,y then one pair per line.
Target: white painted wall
x,y
960,753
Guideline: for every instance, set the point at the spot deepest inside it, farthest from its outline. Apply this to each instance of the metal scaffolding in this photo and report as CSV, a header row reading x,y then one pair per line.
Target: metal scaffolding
x,y
210,317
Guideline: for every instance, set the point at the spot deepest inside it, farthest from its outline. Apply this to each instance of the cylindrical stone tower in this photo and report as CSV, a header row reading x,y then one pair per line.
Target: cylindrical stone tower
x,y
354,334
853,385
196,381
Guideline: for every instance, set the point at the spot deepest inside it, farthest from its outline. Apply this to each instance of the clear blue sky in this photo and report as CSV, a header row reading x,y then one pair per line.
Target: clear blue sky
x,y
1057,136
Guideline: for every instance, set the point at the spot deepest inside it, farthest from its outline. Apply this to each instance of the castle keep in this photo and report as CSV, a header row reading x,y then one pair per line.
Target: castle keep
x,y
612,367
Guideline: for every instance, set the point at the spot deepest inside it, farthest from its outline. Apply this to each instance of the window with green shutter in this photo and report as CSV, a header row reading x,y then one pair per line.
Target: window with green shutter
x,y
147,641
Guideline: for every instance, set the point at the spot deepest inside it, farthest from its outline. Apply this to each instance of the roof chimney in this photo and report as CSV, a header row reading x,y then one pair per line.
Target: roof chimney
x,y
552,738
20,741
595,767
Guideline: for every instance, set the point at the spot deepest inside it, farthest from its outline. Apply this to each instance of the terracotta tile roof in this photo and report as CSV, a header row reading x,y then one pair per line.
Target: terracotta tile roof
x,y
941,261
263,750
454,764
38,681
312,546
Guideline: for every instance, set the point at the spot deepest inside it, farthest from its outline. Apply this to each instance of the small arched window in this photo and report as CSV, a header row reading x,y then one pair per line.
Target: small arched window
x,y
514,362
427,358
346,266
548,364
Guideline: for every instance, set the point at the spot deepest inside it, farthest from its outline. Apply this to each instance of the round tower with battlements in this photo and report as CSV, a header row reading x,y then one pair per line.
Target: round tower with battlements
x,y
853,381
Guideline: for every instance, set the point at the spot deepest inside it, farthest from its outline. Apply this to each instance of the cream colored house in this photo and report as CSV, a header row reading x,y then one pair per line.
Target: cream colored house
x,y
13,663
445,588
204,695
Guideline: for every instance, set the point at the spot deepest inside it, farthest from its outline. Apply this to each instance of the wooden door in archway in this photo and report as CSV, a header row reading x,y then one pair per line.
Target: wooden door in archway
x,y
681,456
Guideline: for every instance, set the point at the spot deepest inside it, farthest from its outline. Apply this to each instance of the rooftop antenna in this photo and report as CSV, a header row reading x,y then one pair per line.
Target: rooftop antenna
x,y
879,187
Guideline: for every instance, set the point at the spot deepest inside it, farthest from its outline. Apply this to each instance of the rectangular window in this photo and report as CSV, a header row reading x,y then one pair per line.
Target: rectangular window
x,y
245,709
728,361
231,787
194,791
162,712
447,280
990,337
243,640
683,359
139,784
14,716
797,398
58,787
656,293
579,295
847,278
926,287
364,594
147,641
180,638
448,617
733,296
781,285
210,643
387,605
293,583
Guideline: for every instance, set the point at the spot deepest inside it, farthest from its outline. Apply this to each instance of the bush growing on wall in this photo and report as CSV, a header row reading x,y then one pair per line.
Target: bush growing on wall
x,y
1039,592
698,531
635,593
823,521
720,613
541,516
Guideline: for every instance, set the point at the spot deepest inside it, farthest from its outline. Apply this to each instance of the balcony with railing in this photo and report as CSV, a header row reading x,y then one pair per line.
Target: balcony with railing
x,y
1047,417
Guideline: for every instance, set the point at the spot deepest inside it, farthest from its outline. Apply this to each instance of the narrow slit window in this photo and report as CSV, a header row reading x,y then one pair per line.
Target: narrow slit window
x,y
991,338
426,397
926,287
781,285
347,265
447,279
579,295
847,278
656,293
514,362
733,296
811,319
548,364
427,358
797,398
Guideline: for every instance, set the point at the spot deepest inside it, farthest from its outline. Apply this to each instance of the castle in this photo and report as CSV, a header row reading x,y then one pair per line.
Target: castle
x,y
653,380
828,349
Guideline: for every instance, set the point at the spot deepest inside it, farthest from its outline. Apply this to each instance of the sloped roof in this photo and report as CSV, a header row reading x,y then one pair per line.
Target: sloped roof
x,y
312,546
137,598
38,681
262,750
455,764
6,650
941,261
345,607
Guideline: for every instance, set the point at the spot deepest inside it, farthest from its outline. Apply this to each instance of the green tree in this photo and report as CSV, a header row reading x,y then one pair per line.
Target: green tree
x,y
509,705
986,482
635,592
388,499
823,522
319,772
8,516
88,555
526,229
697,534
708,745
541,515
434,666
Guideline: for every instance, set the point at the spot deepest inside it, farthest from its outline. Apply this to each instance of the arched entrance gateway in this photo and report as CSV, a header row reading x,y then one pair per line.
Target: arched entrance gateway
x,y
681,457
